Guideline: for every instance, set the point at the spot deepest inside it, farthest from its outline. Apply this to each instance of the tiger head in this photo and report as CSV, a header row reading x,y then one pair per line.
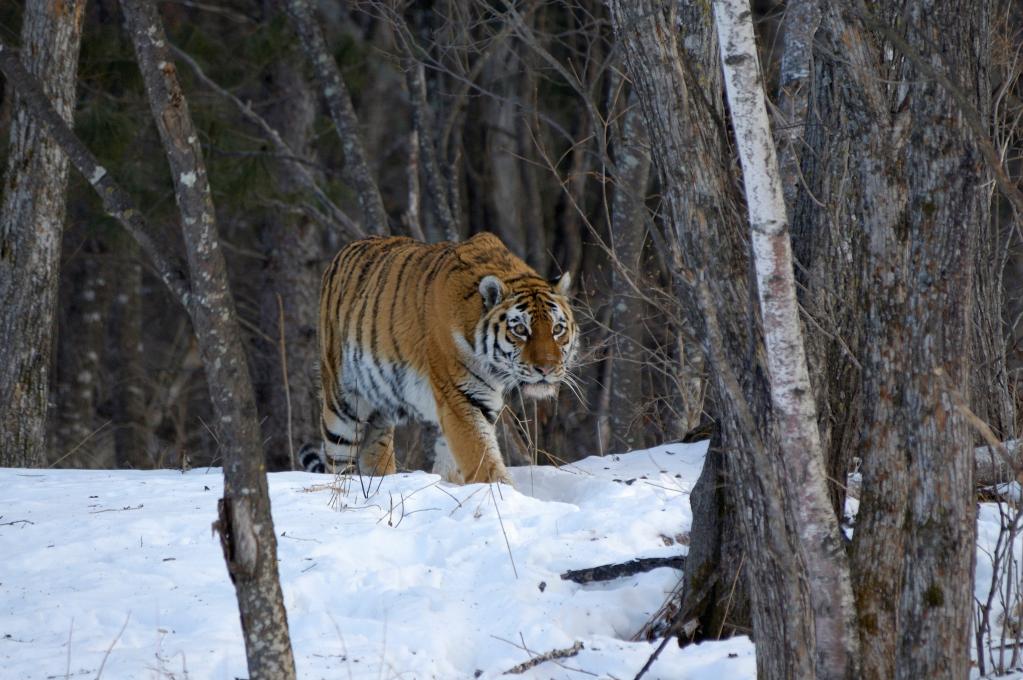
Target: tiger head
x,y
527,335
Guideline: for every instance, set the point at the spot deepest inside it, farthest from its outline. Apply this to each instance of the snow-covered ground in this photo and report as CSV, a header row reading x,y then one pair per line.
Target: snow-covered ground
x,y
413,578
116,574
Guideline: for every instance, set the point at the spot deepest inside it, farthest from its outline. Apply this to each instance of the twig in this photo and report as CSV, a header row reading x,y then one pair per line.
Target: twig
x,y
127,507
70,630
546,656
284,372
17,521
81,443
111,647
504,533
608,572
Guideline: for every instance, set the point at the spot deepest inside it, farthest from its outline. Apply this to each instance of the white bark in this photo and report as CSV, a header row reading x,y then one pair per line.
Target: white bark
x,y
793,406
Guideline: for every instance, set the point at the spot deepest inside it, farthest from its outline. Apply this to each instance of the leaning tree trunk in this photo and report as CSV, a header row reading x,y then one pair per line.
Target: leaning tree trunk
x,y
357,171
245,524
31,223
794,411
705,211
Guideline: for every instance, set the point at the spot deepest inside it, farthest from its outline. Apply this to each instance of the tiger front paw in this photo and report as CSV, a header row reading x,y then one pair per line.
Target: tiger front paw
x,y
489,472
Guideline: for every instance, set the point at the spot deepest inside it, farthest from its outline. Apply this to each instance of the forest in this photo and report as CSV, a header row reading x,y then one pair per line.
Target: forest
x,y
793,229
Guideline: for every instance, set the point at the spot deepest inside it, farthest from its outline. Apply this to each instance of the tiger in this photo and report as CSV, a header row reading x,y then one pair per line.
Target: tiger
x,y
437,333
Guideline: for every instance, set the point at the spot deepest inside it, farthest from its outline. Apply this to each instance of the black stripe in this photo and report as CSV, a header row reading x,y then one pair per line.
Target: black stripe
x,y
526,277
479,406
340,404
336,439
409,259
473,373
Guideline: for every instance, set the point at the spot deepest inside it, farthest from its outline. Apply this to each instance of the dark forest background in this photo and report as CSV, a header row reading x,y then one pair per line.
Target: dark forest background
x,y
522,112
525,113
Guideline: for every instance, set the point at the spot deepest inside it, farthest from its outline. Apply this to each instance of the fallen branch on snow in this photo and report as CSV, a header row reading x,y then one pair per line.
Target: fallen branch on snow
x,y
608,572
546,656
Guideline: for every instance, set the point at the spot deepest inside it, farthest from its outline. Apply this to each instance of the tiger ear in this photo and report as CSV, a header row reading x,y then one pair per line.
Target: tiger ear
x,y
563,284
492,291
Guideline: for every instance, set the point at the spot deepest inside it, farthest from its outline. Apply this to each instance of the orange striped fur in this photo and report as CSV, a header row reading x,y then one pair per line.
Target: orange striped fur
x,y
436,333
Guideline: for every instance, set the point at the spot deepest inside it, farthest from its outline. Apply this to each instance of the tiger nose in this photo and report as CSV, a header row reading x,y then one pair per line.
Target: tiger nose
x,y
548,365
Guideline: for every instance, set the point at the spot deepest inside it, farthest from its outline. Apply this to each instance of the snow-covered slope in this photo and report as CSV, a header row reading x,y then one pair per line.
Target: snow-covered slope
x,y
412,578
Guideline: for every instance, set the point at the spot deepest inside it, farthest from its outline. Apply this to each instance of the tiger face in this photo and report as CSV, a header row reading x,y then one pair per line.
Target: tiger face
x,y
527,335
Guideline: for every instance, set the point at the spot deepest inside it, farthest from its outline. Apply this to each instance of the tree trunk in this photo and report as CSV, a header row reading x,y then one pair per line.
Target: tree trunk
x,y
918,329
628,234
81,346
507,211
356,168
31,224
794,411
130,436
245,524
704,212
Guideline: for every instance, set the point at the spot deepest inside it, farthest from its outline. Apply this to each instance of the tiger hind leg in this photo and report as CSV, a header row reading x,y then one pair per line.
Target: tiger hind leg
x,y
344,424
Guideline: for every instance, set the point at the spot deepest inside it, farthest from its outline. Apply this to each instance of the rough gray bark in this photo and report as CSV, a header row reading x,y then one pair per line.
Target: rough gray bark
x,y
356,169
919,335
801,19
628,233
827,253
245,524
31,224
704,211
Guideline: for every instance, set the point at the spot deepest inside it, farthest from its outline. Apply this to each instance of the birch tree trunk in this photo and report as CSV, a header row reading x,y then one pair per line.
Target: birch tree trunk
x,y
705,211
245,523
793,408
31,224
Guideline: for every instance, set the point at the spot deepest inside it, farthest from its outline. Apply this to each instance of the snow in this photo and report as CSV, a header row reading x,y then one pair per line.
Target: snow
x,y
409,578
